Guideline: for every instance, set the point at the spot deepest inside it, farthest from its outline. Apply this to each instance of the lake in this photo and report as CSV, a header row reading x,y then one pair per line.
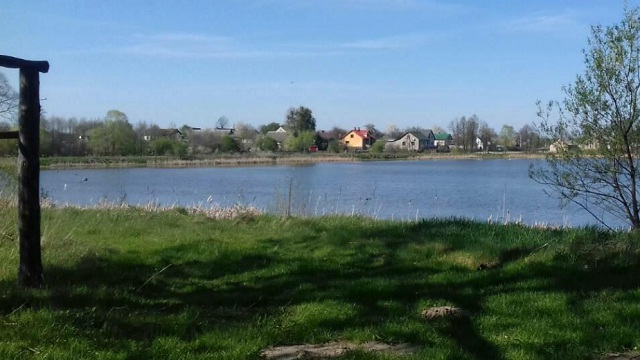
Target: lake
x,y
495,190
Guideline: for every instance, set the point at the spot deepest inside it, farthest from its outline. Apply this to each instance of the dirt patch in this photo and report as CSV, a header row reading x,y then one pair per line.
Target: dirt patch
x,y
332,350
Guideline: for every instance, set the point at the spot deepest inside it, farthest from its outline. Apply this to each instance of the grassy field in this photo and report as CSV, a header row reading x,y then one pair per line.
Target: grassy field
x,y
134,284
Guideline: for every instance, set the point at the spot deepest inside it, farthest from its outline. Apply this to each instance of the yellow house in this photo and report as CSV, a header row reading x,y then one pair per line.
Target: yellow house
x,y
357,139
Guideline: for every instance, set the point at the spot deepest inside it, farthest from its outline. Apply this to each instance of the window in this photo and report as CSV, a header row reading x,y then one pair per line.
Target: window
x,y
352,136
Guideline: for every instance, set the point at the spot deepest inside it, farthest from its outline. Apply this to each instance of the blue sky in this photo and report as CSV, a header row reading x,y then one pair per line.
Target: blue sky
x,y
352,62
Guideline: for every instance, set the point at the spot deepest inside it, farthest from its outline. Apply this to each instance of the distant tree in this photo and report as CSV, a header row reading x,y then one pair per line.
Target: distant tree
x,y
300,120
438,130
8,100
115,137
335,146
161,146
527,135
266,143
206,142
245,134
374,131
507,136
600,114
229,144
338,131
378,147
472,131
222,122
393,132
273,126
141,129
300,142
487,135
180,148
464,132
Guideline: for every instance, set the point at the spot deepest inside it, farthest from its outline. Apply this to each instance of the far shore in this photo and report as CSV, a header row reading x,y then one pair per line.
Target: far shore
x,y
241,160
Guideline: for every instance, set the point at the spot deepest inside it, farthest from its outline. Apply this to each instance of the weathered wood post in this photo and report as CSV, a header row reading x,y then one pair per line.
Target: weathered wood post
x,y
30,268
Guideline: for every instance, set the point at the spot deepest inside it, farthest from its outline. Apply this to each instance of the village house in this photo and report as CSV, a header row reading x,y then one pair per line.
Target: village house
x,y
279,136
443,140
413,141
357,139
172,134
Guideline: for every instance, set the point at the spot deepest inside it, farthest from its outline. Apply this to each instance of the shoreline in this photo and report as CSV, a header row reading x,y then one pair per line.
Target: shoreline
x,y
59,163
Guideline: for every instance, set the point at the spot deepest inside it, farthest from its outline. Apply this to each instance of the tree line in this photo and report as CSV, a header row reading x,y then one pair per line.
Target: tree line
x,y
115,135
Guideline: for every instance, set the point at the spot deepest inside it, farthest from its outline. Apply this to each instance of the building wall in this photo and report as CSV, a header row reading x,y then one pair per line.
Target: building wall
x,y
353,141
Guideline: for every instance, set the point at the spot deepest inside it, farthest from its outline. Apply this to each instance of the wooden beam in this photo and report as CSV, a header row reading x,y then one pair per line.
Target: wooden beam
x,y
9,135
17,63
30,269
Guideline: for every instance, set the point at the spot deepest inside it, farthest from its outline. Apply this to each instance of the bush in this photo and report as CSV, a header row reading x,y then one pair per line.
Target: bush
x,y
378,147
229,145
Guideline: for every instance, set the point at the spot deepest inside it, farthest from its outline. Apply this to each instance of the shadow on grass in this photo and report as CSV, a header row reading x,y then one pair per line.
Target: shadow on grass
x,y
181,292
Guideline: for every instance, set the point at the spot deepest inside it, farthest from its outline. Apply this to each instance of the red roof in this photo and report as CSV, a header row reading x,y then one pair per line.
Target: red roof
x,y
365,134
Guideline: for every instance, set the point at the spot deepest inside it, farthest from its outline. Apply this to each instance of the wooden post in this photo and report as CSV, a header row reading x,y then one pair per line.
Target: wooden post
x,y
30,268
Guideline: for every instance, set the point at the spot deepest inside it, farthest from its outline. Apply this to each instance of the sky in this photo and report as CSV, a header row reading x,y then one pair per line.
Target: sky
x,y
352,62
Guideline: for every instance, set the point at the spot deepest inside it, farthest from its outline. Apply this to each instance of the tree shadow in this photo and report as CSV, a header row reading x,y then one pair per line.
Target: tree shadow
x,y
124,295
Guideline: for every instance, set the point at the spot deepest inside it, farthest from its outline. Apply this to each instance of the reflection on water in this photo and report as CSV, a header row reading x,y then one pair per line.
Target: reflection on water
x,y
496,190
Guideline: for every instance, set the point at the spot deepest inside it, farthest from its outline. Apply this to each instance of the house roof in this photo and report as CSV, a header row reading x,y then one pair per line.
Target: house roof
x,y
419,135
443,136
327,135
169,132
276,135
365,134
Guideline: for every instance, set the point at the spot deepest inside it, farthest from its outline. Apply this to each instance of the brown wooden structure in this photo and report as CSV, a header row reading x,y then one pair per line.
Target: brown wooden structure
x,y
30,268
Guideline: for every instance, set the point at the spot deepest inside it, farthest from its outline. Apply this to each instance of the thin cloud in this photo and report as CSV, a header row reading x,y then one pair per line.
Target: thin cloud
x,y
433,6
388,43
546,23
199,46
186,45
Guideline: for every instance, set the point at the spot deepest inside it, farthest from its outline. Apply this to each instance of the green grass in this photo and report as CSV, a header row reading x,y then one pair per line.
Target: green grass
x,y
130,284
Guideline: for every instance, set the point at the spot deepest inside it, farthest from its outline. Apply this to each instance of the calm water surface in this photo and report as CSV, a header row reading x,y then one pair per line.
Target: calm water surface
x,y
478,189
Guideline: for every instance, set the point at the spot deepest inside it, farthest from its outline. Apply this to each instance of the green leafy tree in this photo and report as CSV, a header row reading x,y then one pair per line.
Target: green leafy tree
x,y
378,147
300,120
300,142
180,148
161,146
600,112
266,143
229,144
507,136
115,137
336,146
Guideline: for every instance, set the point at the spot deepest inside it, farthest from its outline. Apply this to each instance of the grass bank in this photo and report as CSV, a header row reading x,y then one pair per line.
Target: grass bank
x,y
142,284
